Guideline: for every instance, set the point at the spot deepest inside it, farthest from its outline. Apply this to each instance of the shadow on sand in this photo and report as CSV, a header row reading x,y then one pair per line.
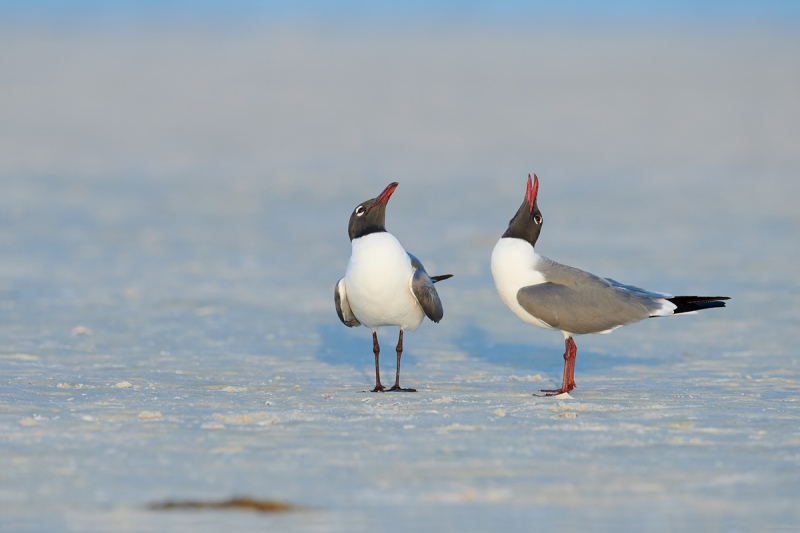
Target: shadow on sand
x,y
352,348
546,358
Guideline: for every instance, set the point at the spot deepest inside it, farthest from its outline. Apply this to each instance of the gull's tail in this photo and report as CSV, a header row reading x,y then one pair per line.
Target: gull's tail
x,y
690,304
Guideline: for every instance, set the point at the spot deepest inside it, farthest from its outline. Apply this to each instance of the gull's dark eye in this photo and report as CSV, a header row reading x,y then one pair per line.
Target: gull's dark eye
x,y
537,218
360,210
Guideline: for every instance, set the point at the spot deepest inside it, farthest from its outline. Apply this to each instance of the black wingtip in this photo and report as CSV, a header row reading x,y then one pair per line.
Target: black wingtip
x,y
687,304
441,278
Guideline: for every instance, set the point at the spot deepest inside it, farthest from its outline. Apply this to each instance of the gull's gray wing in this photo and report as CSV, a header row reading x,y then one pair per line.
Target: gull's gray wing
x,y
343,306
416,264
638,290
579,302
586,310
423,290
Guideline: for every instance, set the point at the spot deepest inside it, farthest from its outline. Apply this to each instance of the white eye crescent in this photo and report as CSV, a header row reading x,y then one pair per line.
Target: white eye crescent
x,y
360,210
537,218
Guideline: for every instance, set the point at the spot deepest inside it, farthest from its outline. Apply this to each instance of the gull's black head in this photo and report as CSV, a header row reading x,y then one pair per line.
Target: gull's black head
x,y
527,222
370,216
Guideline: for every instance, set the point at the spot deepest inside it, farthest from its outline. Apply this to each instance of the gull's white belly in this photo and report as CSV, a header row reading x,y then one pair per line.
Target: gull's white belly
x,y
378,281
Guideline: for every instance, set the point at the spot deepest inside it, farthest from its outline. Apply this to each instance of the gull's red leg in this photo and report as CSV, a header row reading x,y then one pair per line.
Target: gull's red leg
x,y
568,380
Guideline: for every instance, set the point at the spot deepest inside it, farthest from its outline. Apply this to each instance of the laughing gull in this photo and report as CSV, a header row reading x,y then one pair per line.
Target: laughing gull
x,y
555,296
384,285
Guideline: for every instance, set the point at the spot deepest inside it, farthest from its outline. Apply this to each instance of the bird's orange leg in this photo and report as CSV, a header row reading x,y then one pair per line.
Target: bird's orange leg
x,y
568,381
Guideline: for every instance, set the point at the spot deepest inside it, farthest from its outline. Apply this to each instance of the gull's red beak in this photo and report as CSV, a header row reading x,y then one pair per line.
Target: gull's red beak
x,y
386,194
530,192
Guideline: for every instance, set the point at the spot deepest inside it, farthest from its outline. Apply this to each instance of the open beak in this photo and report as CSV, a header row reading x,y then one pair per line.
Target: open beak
x,y
530,192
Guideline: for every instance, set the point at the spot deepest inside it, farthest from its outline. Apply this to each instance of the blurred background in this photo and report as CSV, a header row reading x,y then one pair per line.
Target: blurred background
x,y
176,180
144,142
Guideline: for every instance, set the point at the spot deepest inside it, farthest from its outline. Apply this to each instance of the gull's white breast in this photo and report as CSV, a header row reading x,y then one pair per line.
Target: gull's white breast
x,y
514,264
378,280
